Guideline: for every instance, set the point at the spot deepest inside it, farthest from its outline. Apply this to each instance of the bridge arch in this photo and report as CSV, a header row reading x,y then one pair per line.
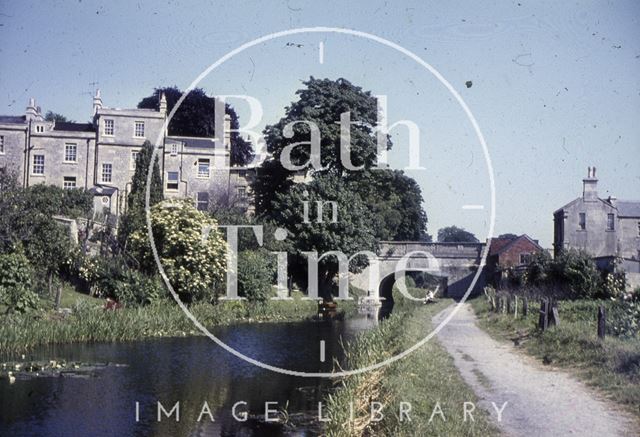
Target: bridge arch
x,y
458,262
386,284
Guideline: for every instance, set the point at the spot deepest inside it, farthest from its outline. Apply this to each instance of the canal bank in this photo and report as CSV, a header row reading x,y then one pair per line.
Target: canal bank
x,y
90,322
125,395
421,394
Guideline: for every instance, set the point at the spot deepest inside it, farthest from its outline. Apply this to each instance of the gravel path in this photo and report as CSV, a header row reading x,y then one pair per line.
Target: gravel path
x,y
541,401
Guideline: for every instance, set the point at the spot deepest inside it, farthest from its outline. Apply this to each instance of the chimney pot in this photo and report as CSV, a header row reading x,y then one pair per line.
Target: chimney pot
x,y
590,186
97,102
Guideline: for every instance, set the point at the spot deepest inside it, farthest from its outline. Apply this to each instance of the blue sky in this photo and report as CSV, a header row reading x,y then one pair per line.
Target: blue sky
x,y
556,85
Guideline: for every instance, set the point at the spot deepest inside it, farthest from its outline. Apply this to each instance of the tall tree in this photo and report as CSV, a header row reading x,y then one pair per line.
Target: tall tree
x,y
54,116
350,232
196,118
395,198
135,216
454,234
321,102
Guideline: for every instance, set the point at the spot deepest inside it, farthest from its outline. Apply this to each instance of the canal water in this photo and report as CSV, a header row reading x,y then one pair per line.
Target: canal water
x,y
192,371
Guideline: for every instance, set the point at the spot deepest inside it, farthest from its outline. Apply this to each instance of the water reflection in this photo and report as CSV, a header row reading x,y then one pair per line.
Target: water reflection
x,y
191,371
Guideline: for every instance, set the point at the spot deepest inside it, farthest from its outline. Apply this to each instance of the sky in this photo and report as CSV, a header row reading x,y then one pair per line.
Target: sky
x,y
554,86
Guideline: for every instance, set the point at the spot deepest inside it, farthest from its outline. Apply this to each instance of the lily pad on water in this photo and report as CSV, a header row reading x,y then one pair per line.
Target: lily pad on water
x,y
13,371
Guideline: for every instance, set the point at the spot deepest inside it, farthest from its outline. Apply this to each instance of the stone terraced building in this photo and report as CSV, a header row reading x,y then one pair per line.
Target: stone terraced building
x,y
100,156
608,229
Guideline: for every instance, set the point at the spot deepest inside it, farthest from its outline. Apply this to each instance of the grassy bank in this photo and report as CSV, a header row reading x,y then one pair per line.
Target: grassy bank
x,y
612,365
89,322
424,378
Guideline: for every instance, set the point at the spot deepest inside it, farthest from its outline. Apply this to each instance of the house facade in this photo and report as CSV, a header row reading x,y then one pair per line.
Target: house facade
x,y
608,228
100,156
509,255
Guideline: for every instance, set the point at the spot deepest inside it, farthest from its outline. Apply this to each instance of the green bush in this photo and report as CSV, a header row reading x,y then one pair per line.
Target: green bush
x,y
135,289
572,271
256,273
111,277
624,319
15,269
576,269
15,283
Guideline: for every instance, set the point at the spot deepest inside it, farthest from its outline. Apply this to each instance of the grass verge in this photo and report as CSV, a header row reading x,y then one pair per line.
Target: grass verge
x,y
612,365
89,322
426,379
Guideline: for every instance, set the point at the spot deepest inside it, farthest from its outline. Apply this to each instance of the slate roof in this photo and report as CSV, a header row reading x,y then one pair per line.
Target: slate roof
x,y
12,119
73,127
102,190
196,142
628,208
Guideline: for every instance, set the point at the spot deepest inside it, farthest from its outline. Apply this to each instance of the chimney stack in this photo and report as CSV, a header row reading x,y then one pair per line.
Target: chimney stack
x,y
590,186
97,102
163,104
32,110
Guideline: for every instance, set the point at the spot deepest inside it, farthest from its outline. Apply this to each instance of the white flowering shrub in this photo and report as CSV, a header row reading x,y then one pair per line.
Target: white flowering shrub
x,y
626,319
614,285
195,263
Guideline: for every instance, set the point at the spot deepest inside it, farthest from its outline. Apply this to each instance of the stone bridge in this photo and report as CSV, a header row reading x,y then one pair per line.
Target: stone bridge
x,y
455,263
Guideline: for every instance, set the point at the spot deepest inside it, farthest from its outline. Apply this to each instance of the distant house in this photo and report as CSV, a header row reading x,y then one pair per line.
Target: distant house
x,y
101,156
606,228
508,255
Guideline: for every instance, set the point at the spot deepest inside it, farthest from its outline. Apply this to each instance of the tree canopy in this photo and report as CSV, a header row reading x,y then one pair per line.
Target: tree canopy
x,y
395,198
196,118
54,116
454,234
351,232
373,203
25,211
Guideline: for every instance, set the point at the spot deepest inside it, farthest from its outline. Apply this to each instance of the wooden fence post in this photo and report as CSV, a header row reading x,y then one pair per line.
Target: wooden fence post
x,y
515,306
602,322
543,321
508,304
525,307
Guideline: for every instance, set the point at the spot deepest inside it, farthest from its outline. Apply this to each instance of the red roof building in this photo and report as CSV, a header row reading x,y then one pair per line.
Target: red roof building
x,y
507,254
